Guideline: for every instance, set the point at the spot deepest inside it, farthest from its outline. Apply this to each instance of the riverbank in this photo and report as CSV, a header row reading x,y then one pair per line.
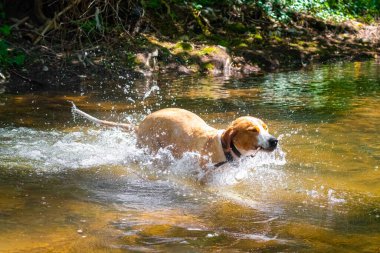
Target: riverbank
x,y
198,45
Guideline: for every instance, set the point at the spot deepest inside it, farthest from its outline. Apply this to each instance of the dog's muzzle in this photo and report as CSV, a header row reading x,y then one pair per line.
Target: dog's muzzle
x,y
272,143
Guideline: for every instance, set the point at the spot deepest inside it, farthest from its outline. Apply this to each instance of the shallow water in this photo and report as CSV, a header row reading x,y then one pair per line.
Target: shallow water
x,y
69,186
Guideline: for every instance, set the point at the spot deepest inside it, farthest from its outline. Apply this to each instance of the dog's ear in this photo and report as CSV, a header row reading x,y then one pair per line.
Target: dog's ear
x,y
227,137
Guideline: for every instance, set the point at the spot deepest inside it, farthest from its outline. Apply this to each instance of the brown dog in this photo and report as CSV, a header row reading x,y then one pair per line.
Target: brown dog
x,y
182,131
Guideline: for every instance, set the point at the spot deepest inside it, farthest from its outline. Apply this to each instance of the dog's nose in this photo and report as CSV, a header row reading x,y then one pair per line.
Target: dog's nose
x,y
273,142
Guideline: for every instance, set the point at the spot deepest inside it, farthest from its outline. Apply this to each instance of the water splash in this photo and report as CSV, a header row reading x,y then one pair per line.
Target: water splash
x,y
261,168
150,91
57,151
54,151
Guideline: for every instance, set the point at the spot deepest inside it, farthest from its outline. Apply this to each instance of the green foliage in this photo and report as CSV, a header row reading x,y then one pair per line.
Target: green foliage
x,y
280,10
208,66
151,4
130,59
207,50
319,8
237,27
356,7
88,26
8,57
275,9
184,46
197,6
5,30
337,10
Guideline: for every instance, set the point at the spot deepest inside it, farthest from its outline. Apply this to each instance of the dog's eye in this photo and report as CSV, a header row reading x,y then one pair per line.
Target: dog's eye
x,y
265,127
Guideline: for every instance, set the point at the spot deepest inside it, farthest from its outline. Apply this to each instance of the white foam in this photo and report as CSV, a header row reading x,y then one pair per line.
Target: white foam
x,y
258,237
52,150
261,168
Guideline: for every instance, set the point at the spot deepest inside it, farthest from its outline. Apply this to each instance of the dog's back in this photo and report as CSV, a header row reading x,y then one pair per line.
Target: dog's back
x,y
178,129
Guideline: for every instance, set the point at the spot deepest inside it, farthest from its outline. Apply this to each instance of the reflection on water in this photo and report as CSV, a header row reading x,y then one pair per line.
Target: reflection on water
x,y
69,186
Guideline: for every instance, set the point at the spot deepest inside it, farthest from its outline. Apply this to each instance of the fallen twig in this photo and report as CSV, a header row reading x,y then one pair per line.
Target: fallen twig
x,y
18,22
28,79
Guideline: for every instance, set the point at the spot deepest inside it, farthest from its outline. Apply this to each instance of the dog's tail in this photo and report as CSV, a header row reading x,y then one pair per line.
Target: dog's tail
x,y
125,126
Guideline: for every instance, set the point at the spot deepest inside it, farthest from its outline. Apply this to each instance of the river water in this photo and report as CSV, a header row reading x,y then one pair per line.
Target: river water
x,y
67,185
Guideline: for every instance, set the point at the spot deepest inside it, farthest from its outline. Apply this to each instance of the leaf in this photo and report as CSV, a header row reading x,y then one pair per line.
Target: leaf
x,y
19,59
3,47
5,30
197,6
153,4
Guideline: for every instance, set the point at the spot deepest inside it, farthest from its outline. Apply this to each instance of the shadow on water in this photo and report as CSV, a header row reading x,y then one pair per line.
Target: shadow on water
x,y
66,185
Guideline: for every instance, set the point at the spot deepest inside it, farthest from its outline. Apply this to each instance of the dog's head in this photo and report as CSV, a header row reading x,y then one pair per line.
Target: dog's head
x,y
248,134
